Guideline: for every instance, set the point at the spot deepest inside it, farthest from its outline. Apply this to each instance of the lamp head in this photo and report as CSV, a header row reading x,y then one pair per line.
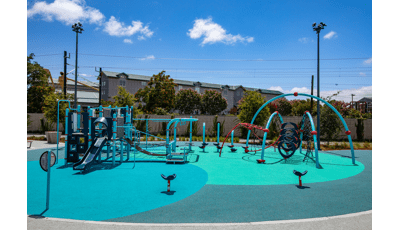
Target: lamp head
x,y
314,24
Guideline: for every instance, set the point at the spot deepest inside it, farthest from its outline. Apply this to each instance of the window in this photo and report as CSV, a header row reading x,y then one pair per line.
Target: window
x,y
225,92
179,87
197,89
144,83
122,83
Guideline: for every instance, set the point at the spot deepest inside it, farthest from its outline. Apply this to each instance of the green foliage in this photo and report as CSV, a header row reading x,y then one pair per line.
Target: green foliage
x,y
212,102
36,75
330,123
123,98
233,111
160,111
194,128
360,129
50,107
29,121
107,103
36,96
45,125
248,107
159,92
300,106
187,100
38,86
215,126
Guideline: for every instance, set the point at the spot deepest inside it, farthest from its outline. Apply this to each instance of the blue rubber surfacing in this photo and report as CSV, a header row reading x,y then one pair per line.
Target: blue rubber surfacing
x,y
109,193
124,194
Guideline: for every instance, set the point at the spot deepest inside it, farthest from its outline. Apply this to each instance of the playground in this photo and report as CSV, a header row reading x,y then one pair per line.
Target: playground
x,y
110,174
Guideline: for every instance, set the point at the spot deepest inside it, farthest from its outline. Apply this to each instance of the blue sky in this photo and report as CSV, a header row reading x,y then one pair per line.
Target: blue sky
x,y
262,44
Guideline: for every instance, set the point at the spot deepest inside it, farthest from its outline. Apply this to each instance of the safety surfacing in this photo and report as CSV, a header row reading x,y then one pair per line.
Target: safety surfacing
x,y
209,189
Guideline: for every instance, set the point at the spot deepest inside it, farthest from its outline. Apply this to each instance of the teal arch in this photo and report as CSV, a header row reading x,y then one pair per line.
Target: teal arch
x,y
266,133
169,147
312,96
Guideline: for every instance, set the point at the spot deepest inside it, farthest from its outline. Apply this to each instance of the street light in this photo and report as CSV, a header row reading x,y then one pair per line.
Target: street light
x,y
318,29
77,27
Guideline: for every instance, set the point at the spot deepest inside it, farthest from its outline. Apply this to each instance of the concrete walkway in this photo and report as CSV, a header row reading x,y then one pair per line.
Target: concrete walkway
x,y
360,221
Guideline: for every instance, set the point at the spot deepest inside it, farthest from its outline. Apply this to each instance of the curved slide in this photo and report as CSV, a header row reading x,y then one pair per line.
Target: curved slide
x,y
90,154
142,150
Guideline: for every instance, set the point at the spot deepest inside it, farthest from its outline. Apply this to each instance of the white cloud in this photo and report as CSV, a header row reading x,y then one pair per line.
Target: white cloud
x,y
368,61
304,40
330,35
149,57
116,28
66,11
128,41
344,95
213,32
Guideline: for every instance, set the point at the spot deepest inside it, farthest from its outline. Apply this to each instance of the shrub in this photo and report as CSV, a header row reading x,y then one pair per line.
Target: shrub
x,y
367,145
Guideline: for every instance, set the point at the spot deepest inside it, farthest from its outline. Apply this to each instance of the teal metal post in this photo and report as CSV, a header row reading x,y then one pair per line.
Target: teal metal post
x,y
233,131
121,156
218,134
204,132
66,137
114,136
48,179
65,127
90,125
147,130
190,139
78,116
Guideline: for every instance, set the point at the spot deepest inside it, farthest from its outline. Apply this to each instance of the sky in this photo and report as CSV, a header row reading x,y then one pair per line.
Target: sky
x,y
260,44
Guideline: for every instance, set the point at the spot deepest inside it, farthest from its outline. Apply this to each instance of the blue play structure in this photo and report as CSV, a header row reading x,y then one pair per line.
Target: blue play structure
x,y
288,141
113,132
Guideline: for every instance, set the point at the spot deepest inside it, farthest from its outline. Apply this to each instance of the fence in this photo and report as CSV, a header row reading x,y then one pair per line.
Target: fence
x,y
228,121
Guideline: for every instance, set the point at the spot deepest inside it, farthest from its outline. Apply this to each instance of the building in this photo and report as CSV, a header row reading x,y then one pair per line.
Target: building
x,y
87,92
364,105
132,83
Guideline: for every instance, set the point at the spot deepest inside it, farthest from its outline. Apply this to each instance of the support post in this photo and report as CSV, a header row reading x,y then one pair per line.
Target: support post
x,y
190,139
66,137
114,137
48,179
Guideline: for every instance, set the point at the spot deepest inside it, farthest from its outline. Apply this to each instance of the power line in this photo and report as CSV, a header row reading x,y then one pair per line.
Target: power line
x,y
233,60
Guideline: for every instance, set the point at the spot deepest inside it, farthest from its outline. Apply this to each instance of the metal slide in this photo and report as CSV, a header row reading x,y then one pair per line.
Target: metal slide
x,y
90,155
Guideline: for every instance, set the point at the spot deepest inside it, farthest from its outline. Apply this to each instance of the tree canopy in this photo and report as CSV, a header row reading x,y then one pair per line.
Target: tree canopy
x,y
249,105
159,93
38,86
212,102
187,100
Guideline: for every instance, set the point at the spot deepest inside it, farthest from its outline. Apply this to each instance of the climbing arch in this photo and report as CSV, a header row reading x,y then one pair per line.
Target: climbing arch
x,y
347,132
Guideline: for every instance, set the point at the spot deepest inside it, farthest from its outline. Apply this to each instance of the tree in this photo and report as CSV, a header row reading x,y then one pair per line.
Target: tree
x,y
123,98
36,96
249,105
187,100
330,123
300,106
36,74
212,102
50,107
38,86
159,92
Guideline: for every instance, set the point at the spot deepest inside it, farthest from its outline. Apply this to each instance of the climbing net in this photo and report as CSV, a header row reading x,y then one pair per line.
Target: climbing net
x,y
307,137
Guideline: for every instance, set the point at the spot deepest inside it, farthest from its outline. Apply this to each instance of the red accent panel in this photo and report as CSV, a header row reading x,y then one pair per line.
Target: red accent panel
x,y
260,161
314,132
306,112
295,94
348,132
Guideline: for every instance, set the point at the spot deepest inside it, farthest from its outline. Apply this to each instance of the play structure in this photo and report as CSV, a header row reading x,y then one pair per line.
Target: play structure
x,y
291,136
112,131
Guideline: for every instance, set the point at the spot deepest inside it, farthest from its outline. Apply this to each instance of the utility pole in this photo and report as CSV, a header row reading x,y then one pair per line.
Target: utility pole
x,y
65,74
312,92
100,88
318,30
352,100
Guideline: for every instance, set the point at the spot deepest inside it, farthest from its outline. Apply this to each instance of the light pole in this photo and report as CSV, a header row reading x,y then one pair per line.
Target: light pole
x,y
77,27
318,29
